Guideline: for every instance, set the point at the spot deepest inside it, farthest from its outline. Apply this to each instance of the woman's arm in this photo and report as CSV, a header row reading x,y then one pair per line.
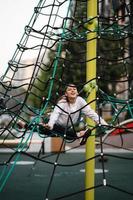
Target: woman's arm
x,y
54,115
89,112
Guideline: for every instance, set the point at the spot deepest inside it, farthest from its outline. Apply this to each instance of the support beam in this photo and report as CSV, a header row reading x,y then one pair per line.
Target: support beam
x,y
90,74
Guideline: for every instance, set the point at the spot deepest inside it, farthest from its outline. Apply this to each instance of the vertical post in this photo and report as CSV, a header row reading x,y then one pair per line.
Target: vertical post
x,y
90,74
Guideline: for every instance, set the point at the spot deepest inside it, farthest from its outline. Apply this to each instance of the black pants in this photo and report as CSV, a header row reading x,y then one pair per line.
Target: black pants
x,y
66,133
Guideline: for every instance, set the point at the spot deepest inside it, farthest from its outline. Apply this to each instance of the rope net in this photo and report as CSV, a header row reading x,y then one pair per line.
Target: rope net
x,y
50,55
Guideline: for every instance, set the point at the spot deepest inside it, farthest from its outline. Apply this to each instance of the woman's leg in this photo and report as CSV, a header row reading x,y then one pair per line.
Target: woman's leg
x,y
66,133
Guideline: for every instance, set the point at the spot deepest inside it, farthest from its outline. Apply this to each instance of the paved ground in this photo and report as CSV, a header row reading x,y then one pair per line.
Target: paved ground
x,y
30,180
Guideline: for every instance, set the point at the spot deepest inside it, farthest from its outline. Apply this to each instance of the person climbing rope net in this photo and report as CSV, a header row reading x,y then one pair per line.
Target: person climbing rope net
x,y
67,113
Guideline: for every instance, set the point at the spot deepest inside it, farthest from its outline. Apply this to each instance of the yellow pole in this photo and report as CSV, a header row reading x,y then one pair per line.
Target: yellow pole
x,y
90,74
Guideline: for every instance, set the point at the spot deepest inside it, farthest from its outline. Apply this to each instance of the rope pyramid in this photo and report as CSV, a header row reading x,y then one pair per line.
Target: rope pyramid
x,y
30,89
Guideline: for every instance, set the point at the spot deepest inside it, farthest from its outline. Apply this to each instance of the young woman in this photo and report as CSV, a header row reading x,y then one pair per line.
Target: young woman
x,y
67,112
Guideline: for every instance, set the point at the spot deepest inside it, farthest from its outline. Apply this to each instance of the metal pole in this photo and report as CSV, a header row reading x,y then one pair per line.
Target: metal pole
x,y
90,74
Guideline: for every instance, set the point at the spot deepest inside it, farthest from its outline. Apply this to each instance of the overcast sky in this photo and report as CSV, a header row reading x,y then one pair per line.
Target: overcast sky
x,y
14,15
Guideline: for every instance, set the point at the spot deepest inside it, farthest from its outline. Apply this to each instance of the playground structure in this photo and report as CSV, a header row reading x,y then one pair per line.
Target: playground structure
x,y
107,35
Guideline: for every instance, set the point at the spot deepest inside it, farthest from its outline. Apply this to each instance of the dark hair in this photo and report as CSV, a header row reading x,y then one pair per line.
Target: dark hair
x,y
70,85
64,97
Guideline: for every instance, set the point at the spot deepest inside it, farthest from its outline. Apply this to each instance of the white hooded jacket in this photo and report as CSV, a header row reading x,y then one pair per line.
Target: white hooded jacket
x,y
64,112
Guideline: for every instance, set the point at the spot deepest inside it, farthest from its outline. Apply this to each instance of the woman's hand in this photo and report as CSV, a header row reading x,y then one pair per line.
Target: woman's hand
x,y
45,126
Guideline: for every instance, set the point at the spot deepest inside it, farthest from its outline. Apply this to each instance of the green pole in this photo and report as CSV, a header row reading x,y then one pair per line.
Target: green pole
x,y
90,74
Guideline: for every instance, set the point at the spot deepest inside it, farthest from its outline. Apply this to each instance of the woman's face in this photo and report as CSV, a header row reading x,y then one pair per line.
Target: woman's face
x,y
71,92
